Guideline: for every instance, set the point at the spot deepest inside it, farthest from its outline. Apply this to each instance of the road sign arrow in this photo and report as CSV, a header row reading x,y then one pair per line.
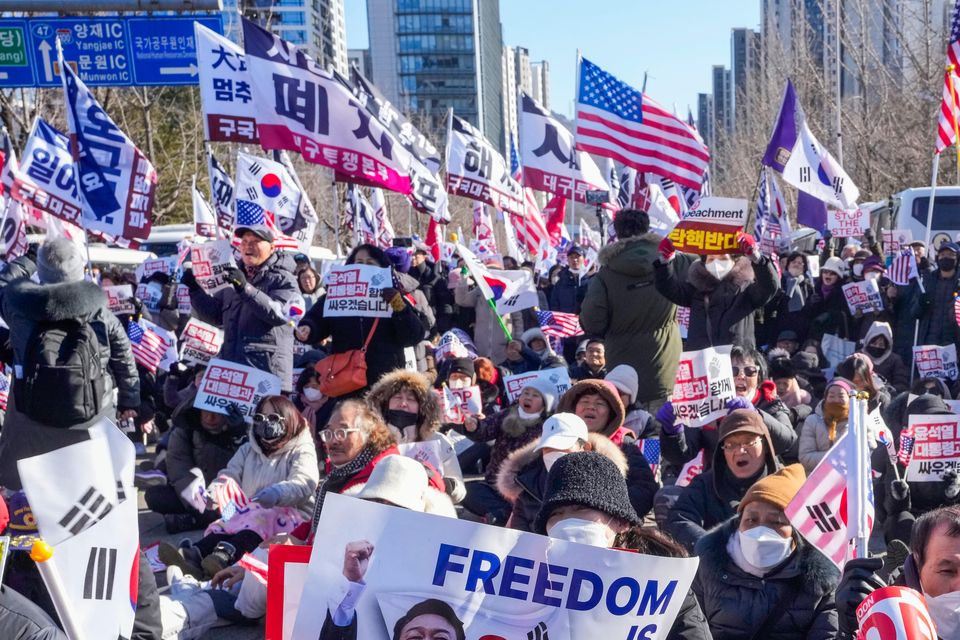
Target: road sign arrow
x,y
45,48
190,70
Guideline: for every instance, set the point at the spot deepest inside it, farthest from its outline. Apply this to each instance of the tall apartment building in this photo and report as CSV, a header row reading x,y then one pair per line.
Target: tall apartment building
x,y
361,59
316,25
705,119
540,82
745,53
722,101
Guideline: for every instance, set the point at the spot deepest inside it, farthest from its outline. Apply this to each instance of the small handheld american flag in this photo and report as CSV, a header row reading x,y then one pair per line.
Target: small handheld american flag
x,y
906,446
148,348
903,268
651,452
559,324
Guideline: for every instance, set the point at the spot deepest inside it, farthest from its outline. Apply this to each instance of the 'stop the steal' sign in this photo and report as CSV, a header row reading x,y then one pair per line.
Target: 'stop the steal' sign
x,y
703,386
849,223
357,290
712,227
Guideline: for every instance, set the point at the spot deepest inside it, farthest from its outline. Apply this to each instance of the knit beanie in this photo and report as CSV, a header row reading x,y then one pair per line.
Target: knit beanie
x,y
805,361
836,265
59,260
624,378
547,391
462,365
777,488
586,479
399,258
928,404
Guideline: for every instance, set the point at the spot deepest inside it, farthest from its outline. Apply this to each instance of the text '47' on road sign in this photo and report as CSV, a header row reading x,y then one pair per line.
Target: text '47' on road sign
x,y
105,50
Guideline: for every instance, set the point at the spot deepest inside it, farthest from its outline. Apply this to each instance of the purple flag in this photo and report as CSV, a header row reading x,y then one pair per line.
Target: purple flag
x,y
784,135
811,212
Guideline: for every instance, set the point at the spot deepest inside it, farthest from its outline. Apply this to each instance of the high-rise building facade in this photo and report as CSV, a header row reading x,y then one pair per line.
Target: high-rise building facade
x,y
722,101
360,58
540,82
745,62
316,25
431,55
705,117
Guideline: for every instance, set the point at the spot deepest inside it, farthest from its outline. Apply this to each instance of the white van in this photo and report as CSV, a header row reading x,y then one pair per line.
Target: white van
x,y
909,208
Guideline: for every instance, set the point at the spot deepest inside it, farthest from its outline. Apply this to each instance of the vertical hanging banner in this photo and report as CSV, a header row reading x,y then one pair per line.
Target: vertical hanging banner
x,y
204,219
712,227
703,386
14,227
116,180
225,95
222,192
303,108
476,170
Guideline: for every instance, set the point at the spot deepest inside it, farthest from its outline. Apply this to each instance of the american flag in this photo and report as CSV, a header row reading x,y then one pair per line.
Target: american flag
x,y
906,446
904,267
614,120
559,324
250,213
763,206
148,348
4,390
531,230
950,106
651,452
226,490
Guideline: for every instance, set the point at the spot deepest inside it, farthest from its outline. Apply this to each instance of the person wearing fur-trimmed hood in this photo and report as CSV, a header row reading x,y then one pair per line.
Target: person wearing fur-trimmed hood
x,y
411,410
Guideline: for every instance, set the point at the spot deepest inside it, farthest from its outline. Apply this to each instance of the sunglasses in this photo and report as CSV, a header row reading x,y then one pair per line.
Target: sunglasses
x,y
269,418
749,372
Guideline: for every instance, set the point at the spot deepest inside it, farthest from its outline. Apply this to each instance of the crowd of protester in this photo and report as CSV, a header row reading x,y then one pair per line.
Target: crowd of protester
x,y
570,465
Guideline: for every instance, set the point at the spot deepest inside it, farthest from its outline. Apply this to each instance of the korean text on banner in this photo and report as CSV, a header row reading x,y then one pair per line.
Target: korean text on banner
x,y
356,290
201,342
227,383
896,240
476,170
211,260
225,94
936,447
848,223
703,386
558,377
119,299
863,296
936,362
616,594
712,227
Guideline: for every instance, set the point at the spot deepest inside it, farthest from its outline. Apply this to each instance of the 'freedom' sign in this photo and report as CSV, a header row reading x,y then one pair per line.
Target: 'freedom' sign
x,y
357,290
228,383
712,227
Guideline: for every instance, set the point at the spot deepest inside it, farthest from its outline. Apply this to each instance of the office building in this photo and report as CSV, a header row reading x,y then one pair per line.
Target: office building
x,y
360,58
705,118
745,74
722,102
316,25
540,82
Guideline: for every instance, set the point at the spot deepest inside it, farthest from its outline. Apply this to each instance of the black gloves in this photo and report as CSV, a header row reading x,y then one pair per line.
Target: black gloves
x,y
857,582
235,417
951,485
449,485
188,280
236,278
897,499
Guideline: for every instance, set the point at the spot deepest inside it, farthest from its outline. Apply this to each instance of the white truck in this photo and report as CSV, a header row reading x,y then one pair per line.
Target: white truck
x,y
908,210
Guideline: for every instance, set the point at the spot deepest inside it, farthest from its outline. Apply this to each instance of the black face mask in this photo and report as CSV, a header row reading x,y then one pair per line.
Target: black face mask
x,y
401,419
875,352
947,264
268,428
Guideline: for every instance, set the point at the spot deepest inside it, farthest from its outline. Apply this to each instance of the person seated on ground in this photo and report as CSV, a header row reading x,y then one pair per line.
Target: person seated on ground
x,y
523,476
744,455
597,403
594,365
276,470
411,411
826,424
309,400
931,568
531,352
180,384
759,578
200,444
878,344
510,430
639,421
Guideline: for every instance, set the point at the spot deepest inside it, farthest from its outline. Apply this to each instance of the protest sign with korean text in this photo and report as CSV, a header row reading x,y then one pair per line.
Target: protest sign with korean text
x,y
895,613
119,299
476,170
357,290
848,223
703,386
558,377
683,321
895,240
183,299
492,582
933,361
227,383
225,95
200,342
149,295
936,447
863,296
211,261
712,227
151,266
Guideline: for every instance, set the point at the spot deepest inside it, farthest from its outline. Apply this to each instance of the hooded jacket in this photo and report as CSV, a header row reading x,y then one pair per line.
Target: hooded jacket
x,y
427,428
712,497
487,333
637,323
24,304
522,479
721,311
815,438
641,484
256,329
795,601
890,365
530,360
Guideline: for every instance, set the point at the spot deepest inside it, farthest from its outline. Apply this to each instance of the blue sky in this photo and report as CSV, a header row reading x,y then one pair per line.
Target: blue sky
x,y
676,42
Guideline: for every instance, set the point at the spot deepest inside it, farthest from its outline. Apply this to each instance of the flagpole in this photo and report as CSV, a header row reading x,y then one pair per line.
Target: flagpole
x,y
336,213
934,173
839,82
42,554
859,474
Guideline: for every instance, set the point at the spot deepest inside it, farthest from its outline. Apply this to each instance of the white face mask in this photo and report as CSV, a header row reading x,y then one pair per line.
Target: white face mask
x,y
527,416
763,547
872,275
858,269
720,268
945,612
459,383
550,458
310,394
595,534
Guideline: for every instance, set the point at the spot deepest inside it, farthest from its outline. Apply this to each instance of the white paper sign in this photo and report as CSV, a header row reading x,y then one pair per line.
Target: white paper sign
x,y
227,383
491,582
426,451
118,299
558,377
211,260
690,470
896,240
356,290
850,223
183,299
703,386
933,361
863,296
200,342
469,400
835,349
936,447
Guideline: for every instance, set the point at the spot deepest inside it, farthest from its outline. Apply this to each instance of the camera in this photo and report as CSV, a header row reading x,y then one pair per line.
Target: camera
x,y
598,196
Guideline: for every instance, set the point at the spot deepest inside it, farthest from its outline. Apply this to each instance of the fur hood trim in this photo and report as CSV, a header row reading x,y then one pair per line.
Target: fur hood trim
x,y
740,276
54,302
819,575
606,390
519,460
615,249
379,396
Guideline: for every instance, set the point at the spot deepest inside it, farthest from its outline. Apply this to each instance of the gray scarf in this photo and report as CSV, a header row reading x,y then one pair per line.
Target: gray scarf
x,y
794,292
337,479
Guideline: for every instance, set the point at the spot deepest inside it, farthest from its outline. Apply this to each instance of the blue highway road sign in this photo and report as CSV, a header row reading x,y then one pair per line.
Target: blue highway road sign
x,y
105,50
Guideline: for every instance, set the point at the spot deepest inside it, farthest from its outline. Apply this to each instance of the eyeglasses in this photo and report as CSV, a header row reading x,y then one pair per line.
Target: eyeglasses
x,y
335,434
269,418
748,372
731,447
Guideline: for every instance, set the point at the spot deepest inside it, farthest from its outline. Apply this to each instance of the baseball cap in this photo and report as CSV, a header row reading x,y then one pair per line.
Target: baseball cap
x,y
262,231
562,431
23,525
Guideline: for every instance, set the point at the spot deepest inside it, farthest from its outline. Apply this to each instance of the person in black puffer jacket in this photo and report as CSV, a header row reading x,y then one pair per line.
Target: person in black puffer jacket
x,y
758,578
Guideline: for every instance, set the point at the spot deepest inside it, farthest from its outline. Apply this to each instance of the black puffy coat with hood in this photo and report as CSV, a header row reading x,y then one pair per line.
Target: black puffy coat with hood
x,y
712,497
795,601
721,311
